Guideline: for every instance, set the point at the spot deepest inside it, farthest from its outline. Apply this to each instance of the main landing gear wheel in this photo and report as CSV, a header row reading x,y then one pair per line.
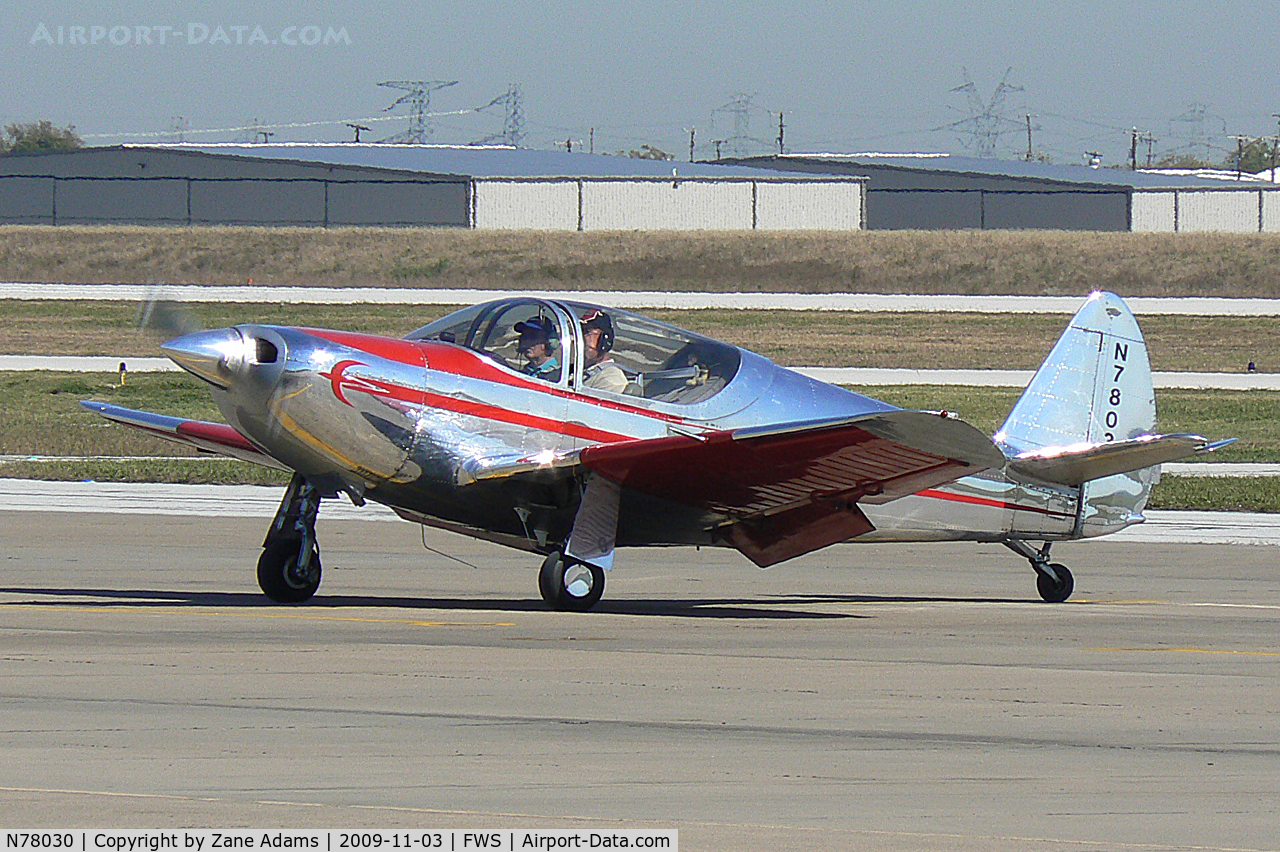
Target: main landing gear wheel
x,y
567,584
286,574
1055,590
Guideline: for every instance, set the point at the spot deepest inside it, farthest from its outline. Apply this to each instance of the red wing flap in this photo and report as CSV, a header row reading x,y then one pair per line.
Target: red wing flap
x,y
770,474
776,538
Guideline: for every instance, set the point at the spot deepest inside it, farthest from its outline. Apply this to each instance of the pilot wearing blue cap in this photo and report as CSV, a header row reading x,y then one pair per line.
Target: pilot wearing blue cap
x,y
537,336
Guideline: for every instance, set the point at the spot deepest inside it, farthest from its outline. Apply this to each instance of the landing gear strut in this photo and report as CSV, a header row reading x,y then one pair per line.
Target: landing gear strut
x,y
568,584
289,568
1053,580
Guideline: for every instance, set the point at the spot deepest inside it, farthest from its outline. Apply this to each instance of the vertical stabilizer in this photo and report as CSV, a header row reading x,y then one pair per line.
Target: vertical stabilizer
x,y
1094,387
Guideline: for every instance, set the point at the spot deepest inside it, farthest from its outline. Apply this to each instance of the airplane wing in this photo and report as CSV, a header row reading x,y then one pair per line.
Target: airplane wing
x,y
792,488
208,437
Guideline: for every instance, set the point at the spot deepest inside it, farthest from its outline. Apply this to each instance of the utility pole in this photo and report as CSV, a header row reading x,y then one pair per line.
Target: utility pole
x,y
1028,157
591,134
781,129
1274,145
357,128
1240,140
1133,150
1150,139
691,131
717,143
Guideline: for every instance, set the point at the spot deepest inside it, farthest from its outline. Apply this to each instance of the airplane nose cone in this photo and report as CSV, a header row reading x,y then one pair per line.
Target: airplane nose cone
x,y
212,355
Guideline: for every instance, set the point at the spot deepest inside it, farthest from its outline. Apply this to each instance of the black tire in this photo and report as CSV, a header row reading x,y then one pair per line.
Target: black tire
x,y
549,578
279,575
569,585
1057,592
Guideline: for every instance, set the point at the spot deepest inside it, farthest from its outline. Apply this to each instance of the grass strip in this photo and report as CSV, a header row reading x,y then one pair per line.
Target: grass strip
x,y
799,338
40,415
1211,494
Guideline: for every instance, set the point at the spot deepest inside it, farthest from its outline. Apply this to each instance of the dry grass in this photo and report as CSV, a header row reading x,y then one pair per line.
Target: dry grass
x,y
1011,262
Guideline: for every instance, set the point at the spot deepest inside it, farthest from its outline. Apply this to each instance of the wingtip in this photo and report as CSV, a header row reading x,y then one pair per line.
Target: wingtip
x,y
1211,446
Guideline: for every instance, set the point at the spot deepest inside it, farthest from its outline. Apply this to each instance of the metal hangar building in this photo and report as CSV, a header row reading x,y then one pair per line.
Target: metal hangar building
x,y
943,191
353,184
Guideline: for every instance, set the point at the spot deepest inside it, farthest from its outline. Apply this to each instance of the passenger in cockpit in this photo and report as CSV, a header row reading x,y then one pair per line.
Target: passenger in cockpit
x,y
597,339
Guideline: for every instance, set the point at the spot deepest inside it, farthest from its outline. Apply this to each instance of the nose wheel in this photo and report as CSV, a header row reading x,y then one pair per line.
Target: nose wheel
x,y
1053,580
287,573
569,584
289,568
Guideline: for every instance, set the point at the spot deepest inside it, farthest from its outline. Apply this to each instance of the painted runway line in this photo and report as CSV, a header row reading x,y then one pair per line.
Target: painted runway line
x,y
872,302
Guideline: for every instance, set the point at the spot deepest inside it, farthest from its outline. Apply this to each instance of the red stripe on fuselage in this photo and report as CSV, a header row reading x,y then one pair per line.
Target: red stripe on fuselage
x,y
450,358
549,424
454,361
988,501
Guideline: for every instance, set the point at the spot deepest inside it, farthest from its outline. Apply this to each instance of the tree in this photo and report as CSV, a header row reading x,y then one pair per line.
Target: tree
x,y
1182,161
38,136
1255,156
650,152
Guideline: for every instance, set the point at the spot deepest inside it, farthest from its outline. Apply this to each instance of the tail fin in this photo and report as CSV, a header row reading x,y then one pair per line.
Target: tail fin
x,y
1094,387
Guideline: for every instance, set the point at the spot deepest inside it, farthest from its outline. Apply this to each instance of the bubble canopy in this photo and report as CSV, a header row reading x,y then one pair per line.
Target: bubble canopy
x,y
662,362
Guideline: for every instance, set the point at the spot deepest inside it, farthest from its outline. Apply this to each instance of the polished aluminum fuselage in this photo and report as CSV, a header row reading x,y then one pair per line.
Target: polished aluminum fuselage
x,y
415,424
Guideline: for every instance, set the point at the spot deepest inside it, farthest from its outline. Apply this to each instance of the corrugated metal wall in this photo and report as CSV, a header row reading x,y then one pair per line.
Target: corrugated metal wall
x,y
1233,210
1154,211
516,204
1271,212
596,204
809,206
679,205
247,201
1218,211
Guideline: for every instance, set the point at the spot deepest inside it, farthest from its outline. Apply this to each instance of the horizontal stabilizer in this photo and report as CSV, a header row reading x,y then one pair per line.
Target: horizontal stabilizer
x,y
209,437
1079,463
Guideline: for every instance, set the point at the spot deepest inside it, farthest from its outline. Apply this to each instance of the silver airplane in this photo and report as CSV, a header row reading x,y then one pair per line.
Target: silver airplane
x,y
569,430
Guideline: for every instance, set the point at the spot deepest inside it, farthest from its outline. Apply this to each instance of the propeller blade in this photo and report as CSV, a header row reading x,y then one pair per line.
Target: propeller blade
x,y
166,319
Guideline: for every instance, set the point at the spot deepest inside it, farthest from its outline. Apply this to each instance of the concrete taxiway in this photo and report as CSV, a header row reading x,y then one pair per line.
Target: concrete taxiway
x,y
866,697
636,300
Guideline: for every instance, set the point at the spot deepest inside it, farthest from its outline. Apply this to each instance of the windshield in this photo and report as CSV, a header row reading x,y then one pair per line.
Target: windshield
x,y
524,335
660,361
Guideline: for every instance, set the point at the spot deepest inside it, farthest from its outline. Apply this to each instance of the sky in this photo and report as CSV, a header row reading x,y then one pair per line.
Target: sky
x,y
846,76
